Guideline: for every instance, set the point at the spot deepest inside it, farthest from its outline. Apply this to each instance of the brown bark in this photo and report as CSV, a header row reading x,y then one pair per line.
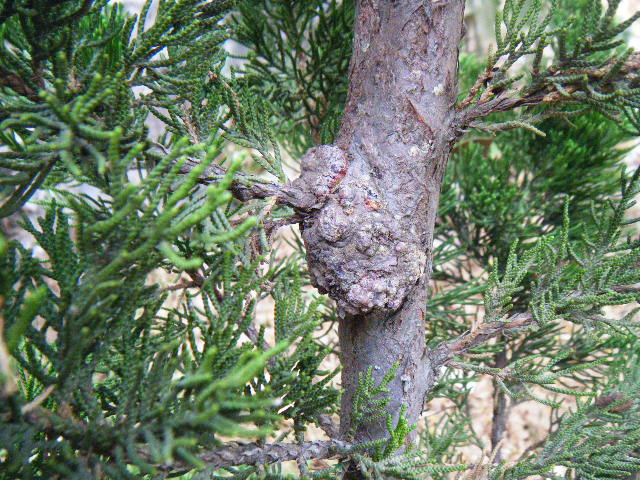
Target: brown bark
x,y
470,110
501,409
245,187
369,235
483,333
255,454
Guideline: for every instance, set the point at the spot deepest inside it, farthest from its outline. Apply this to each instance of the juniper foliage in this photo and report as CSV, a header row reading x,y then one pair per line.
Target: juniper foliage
x,y
131,344
102,364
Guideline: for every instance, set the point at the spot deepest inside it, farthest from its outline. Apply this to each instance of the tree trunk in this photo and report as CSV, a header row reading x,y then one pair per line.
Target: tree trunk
x,y
369,239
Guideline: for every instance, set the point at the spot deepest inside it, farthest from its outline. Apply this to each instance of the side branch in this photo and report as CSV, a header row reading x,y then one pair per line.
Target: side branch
x,y
17,84
232,454
556,86
444,353
254,454
246,187
479,336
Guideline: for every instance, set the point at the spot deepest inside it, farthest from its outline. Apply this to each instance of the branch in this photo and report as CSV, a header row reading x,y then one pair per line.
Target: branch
x,y
547,92
478,336
245,187
231,454
9,384
328,426
17,84
501,409
254,454
484,332
39,400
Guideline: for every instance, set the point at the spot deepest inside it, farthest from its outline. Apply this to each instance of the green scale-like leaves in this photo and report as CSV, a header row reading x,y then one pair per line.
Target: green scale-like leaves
x,y
134,333
98,362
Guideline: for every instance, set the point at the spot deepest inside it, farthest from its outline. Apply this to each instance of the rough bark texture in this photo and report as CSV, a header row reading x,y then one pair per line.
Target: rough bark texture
x,y
255,454
369,235
500,410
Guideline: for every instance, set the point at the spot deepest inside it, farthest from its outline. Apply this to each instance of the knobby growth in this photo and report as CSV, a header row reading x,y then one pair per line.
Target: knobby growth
x,y
465,218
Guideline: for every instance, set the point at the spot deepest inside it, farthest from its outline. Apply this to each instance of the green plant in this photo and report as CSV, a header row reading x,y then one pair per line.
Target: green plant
x,y
131,343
